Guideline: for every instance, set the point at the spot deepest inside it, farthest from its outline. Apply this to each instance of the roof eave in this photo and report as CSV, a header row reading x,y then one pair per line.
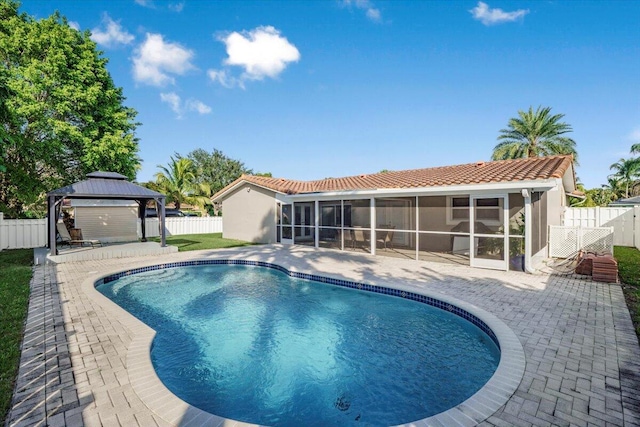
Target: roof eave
x,y
106,196
569,179
239,183
538,185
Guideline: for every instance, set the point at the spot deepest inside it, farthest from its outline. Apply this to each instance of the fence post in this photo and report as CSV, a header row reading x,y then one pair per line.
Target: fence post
x,y
2,232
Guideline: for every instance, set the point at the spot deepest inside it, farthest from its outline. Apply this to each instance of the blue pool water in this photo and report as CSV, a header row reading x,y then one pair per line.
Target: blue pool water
x,y
253,344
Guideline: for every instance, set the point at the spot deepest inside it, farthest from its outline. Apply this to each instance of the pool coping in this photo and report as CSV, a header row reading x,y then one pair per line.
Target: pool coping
x,y
159,399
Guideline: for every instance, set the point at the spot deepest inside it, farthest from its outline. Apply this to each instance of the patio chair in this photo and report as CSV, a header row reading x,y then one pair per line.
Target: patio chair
x,y
387,238
359,237
348,238
66,237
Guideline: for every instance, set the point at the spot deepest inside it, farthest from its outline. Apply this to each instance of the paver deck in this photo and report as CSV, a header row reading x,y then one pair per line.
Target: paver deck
x,y
582,355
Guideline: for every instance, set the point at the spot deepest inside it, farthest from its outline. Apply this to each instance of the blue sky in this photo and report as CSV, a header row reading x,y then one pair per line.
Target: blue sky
x,y
315,89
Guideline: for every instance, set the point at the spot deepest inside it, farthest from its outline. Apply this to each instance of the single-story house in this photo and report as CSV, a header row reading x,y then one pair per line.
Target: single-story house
x,y
485,214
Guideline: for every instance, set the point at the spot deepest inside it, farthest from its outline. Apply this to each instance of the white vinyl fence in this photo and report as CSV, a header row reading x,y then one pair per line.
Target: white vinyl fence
x,y
22,233
32,233
183,225
625,232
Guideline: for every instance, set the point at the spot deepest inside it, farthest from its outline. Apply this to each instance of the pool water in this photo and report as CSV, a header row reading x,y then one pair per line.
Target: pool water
x,y
255,345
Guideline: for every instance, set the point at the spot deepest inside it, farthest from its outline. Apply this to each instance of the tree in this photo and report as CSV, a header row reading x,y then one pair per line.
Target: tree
x,y
215,169
627,171
533,134
4,118
177,181
63,117
601,196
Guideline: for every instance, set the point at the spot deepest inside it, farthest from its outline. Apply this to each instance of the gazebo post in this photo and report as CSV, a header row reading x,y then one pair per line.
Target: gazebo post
x,y
142,214
53,219
163,239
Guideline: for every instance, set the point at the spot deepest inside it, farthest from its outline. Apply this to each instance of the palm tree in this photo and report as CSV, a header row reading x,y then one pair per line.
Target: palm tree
x,y
533,134
614,186
627,172
635,148
177,180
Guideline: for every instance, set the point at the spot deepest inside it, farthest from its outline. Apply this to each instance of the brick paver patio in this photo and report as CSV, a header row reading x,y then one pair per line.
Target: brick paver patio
x,y
582,355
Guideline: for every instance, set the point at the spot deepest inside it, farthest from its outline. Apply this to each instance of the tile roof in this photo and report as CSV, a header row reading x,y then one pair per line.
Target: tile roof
x,y
538,168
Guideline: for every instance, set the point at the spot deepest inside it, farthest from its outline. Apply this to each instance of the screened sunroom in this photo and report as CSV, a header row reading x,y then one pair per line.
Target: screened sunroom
x,y
430,228
485,214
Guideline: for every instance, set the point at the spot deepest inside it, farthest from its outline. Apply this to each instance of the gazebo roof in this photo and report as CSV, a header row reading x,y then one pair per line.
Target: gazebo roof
x,y
105,185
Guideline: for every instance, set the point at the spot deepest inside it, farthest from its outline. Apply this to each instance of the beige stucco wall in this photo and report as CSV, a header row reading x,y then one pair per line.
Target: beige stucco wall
x,y
555,206
432,216
108,223
547,209
249,215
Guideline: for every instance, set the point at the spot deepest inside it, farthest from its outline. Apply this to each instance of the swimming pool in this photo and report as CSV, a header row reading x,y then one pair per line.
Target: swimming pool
x,y
211,361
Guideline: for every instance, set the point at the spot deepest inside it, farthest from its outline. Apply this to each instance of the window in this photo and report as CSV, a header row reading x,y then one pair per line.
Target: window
x,y
489,211
457,209
347,215
330,216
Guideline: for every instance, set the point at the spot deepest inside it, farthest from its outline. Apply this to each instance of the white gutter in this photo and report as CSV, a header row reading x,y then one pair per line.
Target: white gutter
x,y
541,185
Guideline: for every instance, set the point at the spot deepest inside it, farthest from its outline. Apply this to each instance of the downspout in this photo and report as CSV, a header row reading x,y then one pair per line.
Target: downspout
x,y
528,218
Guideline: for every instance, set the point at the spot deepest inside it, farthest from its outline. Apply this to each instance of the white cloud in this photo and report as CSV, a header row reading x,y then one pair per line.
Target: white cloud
x,y
261,52
145,3
176,7
155,59
634,136
371,11
74,25
374,15
224,78
180,108
113,33
483,13
173,100
197,106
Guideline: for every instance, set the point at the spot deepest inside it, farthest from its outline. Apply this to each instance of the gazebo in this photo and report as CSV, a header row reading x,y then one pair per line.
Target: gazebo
x,y
105,186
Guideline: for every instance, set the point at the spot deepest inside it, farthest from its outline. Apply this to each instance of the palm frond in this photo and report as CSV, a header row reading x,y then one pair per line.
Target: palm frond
x,y
534,133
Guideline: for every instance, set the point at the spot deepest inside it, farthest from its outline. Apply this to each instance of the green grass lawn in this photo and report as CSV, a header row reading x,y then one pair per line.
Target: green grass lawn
x,y
194,242
629,271
15,275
